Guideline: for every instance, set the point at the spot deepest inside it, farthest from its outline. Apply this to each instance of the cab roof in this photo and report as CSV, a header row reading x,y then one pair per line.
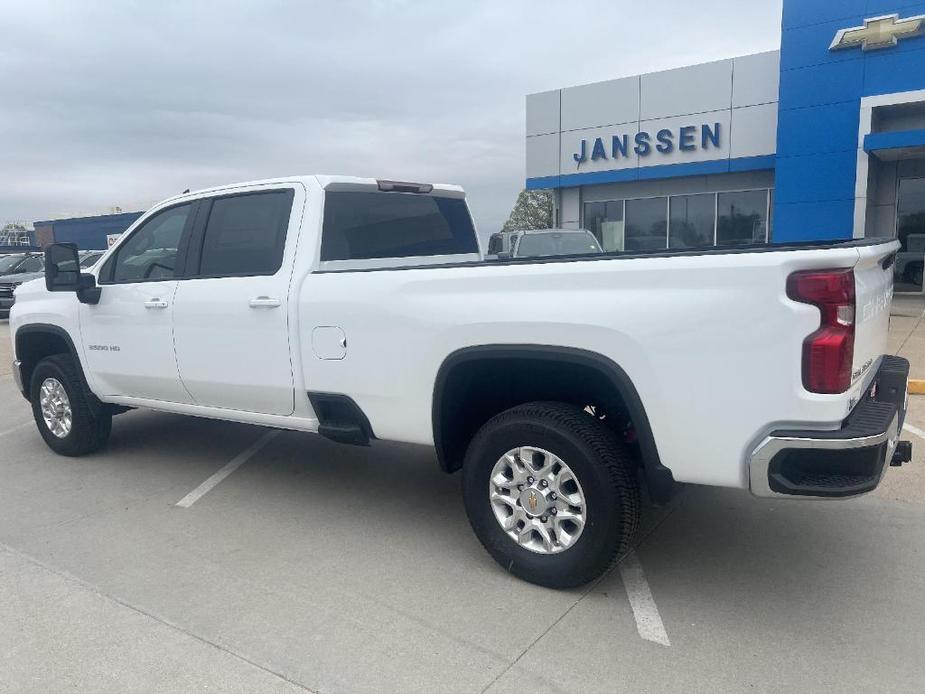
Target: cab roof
x,y
331,182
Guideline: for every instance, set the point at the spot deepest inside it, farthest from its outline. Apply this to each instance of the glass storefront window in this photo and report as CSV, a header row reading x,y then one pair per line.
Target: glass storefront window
x,y
605,221
742,218
692,220
910,228
688,221
647,224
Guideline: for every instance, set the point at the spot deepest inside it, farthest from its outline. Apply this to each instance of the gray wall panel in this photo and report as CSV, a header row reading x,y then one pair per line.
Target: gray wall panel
x,y
570,208
678,156
746,180
690,96
754,131
687,90
543,113
543,156
571,144
603,103
756,79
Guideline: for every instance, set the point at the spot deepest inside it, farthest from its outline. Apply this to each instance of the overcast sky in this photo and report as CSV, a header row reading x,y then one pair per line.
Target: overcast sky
x,y
127,103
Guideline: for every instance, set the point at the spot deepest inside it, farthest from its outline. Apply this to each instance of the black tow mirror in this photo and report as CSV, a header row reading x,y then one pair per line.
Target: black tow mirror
x,y
62,273
62,268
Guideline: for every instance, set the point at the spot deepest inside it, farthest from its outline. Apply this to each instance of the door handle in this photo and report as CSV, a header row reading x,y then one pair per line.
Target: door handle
x,y
155,303
264,302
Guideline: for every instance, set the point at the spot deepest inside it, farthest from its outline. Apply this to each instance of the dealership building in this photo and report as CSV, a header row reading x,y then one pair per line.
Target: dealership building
x,y
821,140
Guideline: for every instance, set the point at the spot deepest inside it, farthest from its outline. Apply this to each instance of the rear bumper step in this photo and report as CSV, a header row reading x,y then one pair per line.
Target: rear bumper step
x,y
845,462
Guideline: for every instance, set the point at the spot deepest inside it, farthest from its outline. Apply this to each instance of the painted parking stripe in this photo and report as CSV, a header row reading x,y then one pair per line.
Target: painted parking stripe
x,y
235,463
648,621
914,430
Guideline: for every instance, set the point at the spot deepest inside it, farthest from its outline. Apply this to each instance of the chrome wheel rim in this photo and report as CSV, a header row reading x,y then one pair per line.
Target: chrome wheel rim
x,y
56,407
537,500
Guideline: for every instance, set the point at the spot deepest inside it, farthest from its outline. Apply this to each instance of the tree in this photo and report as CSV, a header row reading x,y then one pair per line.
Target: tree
x,y
533,210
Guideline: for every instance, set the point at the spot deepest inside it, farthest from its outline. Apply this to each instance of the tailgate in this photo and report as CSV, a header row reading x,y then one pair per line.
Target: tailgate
x,y
873,286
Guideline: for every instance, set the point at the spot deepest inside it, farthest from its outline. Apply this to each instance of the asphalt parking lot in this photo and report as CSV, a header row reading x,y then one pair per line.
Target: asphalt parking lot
x,y
316,567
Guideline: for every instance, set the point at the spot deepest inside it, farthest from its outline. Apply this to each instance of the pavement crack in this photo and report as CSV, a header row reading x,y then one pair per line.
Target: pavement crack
x,y
161,620
911,333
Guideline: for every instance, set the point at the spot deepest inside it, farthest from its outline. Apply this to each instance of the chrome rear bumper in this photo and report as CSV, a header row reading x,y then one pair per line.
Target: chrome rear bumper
x,y
843,463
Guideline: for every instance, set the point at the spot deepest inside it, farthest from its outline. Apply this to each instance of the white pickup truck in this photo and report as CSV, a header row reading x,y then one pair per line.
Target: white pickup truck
x,y
361,309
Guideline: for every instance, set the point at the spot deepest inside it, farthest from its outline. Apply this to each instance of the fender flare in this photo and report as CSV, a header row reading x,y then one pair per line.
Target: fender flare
x,y
57,331
658,477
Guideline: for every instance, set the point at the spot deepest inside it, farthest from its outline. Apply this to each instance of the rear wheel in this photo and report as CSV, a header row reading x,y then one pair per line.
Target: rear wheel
x,y
551,493
68,420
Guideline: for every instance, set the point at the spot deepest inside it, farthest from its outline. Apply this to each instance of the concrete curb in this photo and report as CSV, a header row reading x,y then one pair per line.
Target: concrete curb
x,y
916,386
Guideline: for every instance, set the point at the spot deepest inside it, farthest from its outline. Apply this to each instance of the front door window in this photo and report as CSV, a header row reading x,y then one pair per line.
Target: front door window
x,y
910,227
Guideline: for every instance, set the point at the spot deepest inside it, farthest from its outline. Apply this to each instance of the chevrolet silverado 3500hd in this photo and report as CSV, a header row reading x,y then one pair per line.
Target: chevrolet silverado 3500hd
x,y
364,309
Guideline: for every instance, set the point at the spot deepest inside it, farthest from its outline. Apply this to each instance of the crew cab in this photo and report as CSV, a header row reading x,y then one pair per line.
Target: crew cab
x,y
363,309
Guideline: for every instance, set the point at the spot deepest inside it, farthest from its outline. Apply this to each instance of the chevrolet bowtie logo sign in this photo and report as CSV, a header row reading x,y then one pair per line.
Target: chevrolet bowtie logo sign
x,y
879,32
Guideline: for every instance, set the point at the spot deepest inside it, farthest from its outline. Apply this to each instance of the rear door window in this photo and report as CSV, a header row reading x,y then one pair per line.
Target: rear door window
x,y
245,235
361,225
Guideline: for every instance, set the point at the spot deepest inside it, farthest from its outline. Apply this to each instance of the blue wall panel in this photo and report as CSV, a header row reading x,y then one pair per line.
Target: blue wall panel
x,y
833,177
820,85
817,147
803,12
819,129
811,221
895,71
876,8
809,45
89,233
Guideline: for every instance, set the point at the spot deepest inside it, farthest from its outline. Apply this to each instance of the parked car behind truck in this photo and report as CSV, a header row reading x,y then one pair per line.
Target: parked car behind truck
x,y
8,283
360,309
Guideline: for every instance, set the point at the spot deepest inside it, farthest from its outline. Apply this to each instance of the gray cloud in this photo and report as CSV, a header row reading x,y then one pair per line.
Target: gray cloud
x,y
125,104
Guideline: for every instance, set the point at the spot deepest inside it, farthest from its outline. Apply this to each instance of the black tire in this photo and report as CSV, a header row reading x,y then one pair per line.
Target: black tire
x,y
602,466
90,421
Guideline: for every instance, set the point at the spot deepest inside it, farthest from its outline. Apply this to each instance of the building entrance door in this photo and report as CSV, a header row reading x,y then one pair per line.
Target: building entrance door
x,y
910,230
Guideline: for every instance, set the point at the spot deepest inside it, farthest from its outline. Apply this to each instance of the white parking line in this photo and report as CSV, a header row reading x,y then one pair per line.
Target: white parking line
x,y
914,430
235,463
648,621
16,428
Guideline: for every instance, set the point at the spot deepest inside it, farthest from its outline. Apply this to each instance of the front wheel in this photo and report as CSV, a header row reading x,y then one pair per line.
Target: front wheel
x,y
67,419
551,493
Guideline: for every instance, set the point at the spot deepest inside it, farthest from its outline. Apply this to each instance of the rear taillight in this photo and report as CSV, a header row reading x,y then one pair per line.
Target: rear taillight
x,y
828,352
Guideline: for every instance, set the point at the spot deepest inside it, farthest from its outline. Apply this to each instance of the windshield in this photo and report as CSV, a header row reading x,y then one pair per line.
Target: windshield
x,y
8,262
557,243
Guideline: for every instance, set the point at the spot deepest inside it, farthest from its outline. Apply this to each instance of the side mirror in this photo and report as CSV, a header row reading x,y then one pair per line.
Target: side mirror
x,y
62,273
62,268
